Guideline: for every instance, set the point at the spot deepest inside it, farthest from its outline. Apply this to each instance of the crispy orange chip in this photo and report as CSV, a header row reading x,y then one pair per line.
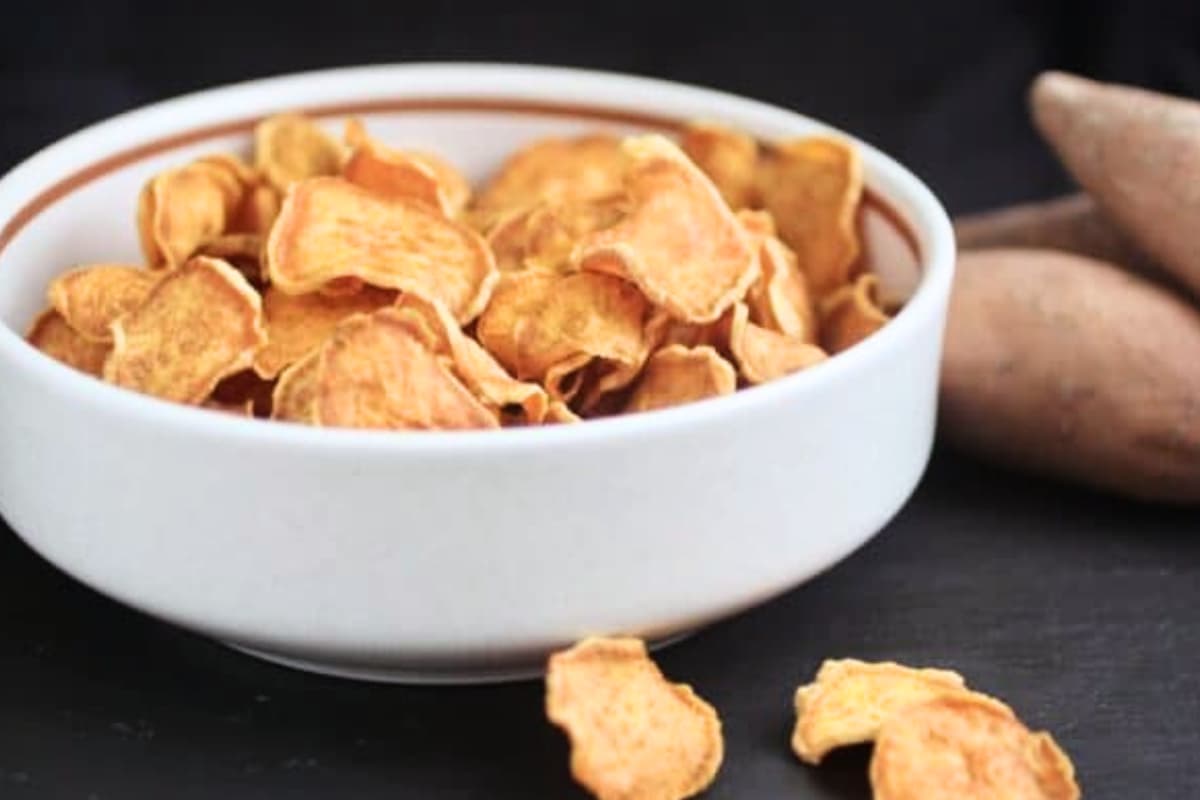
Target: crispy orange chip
x,y
242,251
329,228
544,236
199,324
728,157
851,314
181,209
555,171
291,147
476,367
763,355
51,334
296,390
559,413
257,211
779,300
634,735
850,699
676,375
967,746
680,244
545,326
296,324
397,174
91,298
813,187
381,371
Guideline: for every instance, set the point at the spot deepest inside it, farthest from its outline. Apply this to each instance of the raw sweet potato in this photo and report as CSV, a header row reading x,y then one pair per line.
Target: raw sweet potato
x,y
1073,367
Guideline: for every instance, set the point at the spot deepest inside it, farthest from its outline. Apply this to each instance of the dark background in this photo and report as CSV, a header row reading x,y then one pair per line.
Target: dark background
x,y
1080,610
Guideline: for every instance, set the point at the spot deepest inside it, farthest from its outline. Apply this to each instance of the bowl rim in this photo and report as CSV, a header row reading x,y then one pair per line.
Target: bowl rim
x,y
554,86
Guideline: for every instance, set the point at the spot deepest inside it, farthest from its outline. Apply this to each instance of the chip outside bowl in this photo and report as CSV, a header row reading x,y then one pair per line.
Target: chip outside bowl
x,y
446,556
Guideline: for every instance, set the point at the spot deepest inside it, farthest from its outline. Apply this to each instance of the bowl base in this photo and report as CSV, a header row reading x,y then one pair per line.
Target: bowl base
x,y
424,676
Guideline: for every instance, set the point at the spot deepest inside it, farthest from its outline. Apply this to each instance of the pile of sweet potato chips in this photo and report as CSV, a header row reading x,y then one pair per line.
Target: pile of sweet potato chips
x,y
352,284
636,736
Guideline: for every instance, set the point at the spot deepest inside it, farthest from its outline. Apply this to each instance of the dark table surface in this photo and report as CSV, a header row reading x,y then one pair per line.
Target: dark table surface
x,y
1078,609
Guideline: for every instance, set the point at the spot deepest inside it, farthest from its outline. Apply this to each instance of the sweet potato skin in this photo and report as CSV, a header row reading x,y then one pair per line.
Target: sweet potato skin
x,y
1075,368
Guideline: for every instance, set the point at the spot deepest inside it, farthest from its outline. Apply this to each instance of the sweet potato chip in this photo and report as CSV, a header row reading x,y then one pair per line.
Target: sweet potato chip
x,y
850,699
559,413
851,314
91,298
680,244
763,355
290,148
967,746
396,174
728,157
381,371
634,735
296,324
295,392
542,325
555,171
676,375
544,236
51,334
181,209
257,210
199,324
329,228
813,187
238,170
779,300
242,251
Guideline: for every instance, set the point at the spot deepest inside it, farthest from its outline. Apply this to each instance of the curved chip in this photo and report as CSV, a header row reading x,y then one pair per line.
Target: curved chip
x,y
91,298
540,323
728,157
677,375
967,746
813,187
257,211
763,355
291,147
181,209
199,324
779,300
555,171
51,334
851,314
633,734
381,371
544,236
476,367
242,251
850,699
293,399
329,228
398,174
680,244
296,324
559,413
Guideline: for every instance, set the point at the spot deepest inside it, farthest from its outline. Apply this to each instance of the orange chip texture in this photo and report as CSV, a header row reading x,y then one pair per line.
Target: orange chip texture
x,y
559,413
242,251
555,171
676,375
51,334
257,211
850,699
634,735
544,236
540,322
329,228
381,371
181,209
967,746
293,399
199,324
91,298
296,324
851,314
680,243
813,187
779,300
396,174
763,355
728,157
291,147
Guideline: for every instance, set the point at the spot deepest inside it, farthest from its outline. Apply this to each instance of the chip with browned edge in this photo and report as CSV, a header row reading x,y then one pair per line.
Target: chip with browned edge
x,y
555,171
729,158
967,747
182,208
296,390
779,300
91,298
763,355
200,323
680,244
676,375
851,314
291,147
51,334
398,174
634,735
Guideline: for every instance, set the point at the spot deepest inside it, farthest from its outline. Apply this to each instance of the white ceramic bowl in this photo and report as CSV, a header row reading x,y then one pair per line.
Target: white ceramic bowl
x,y
448,556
